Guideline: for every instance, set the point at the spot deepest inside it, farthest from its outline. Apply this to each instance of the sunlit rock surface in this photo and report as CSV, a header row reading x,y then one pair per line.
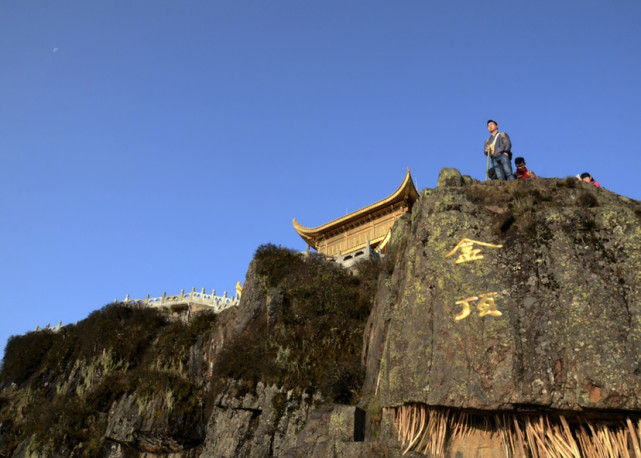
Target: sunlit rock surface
x,y
516,293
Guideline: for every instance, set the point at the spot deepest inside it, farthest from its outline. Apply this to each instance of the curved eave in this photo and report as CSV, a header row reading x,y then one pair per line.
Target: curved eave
x,y
406,192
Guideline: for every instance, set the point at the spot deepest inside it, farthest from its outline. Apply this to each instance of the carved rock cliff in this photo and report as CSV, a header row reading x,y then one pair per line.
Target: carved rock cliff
x,y
511,300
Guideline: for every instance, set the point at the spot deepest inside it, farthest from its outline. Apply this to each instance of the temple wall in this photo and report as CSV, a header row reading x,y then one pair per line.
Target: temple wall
x,y
353,239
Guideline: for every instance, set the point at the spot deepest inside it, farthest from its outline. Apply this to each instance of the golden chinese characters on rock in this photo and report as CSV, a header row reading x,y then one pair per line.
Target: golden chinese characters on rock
x,y
486,304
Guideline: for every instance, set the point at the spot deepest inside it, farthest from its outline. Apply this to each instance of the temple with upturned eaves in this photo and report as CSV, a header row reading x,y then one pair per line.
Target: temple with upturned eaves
x,y
358,234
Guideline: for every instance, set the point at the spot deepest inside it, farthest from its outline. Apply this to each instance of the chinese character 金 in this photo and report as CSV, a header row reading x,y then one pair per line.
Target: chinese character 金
x,y
485,306
468,252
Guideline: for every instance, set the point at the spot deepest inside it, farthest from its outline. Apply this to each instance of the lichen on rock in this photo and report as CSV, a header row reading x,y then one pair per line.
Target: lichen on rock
x,y
513,295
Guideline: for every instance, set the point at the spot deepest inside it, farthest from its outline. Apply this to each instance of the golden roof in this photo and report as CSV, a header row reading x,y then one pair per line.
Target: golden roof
x,y
406,194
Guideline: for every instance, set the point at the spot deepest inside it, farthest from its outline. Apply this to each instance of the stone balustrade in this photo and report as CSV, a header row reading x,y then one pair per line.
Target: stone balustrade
x,y
56,328
218,303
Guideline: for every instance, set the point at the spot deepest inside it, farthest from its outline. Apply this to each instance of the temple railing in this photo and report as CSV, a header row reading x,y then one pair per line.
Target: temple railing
x,y
56,328
218,303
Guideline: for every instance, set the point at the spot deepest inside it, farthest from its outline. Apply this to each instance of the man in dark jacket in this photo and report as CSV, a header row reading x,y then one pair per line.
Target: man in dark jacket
x,y
499,147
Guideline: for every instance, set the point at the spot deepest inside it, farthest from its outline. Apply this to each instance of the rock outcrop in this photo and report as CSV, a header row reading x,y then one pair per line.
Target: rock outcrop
x,y
510,298
517,294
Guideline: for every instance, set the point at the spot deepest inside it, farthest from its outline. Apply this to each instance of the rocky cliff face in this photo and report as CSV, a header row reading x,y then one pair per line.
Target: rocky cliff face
x,y
517,302
272,377
505,320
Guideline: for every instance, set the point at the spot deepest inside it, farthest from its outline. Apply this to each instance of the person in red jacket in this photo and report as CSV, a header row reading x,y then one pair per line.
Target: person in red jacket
x,y
585,176
521,172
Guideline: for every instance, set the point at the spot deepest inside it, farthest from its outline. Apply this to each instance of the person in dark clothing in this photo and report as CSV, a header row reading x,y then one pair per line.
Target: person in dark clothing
x,y
499,148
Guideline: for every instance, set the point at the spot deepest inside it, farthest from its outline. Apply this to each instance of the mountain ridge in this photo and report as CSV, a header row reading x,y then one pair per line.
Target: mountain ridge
x,y
505,314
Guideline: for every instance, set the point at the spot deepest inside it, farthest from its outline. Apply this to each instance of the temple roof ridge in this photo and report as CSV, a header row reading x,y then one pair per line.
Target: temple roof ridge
x,y
406,192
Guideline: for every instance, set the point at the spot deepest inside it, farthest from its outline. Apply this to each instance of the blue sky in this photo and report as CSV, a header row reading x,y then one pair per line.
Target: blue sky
x,y
152,146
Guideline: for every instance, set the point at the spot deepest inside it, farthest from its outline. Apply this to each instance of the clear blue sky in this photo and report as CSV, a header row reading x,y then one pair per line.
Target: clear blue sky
x,y
151,146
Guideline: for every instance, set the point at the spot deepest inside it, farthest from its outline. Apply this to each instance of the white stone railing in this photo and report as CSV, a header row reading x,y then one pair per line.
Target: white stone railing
x,y
56,328
218,303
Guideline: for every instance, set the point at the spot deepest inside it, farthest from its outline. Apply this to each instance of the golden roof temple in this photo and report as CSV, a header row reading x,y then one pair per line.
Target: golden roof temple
x,y
366,229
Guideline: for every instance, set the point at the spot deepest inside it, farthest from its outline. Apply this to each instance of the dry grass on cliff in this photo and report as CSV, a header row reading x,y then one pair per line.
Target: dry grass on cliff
x,y
437,431
516,207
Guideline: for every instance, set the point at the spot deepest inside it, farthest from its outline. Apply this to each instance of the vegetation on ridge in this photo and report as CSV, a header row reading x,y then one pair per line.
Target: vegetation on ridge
x,y
315,342
60,386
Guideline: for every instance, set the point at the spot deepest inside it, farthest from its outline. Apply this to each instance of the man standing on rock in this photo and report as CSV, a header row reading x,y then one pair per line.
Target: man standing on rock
x,y
498,147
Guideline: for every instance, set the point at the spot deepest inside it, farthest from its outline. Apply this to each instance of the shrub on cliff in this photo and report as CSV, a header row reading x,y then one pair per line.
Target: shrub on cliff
x,y
68,380
125,329
23,355
316,344
173,343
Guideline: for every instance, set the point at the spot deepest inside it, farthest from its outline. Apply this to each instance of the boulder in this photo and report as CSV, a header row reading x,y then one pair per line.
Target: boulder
x,y
510,295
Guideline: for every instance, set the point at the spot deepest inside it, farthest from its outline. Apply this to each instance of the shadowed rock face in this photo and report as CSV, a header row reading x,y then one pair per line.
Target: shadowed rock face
x,y
553,298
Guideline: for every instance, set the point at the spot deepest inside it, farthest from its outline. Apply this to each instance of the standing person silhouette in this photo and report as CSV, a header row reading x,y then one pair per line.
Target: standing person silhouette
x,y
499,147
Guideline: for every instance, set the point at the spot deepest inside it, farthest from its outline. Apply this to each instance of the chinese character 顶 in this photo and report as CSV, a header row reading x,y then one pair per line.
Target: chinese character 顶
x,y
485,306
